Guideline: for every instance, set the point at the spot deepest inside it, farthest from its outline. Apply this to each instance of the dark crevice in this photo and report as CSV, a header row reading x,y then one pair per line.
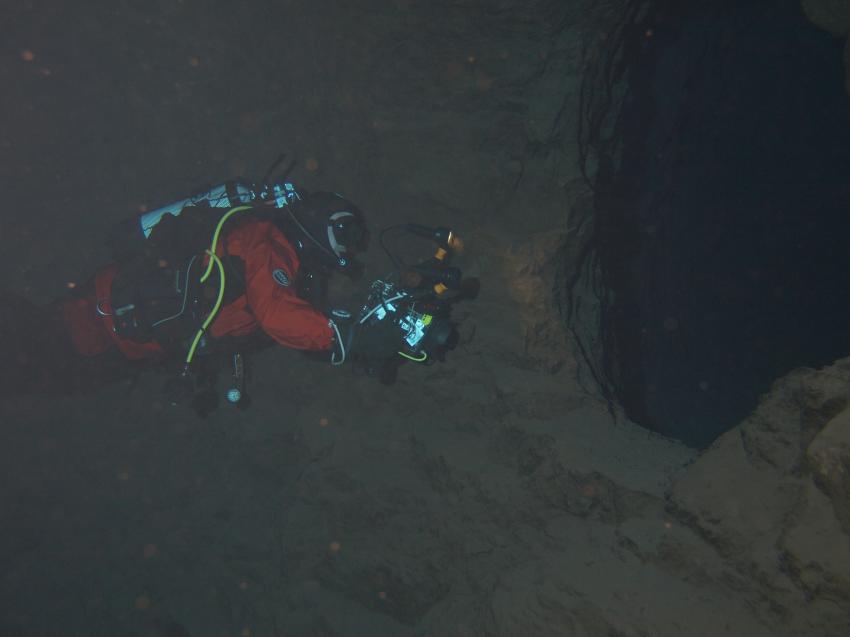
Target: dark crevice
x,y
720,211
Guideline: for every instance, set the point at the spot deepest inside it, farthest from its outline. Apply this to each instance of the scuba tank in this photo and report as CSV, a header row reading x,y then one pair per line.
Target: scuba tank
x,y
227,195
131,235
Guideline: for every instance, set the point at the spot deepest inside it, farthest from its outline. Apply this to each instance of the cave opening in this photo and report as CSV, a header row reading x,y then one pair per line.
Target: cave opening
x,y
722,233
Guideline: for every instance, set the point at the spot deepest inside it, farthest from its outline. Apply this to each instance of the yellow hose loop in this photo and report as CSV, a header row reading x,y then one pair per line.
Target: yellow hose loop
x,y
413,358
211,316
216,234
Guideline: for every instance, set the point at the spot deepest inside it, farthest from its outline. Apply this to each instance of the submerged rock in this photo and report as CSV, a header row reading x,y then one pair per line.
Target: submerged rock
x,y
771,497
829,457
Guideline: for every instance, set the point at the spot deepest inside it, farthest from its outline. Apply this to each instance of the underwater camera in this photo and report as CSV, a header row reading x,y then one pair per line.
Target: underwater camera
x,y
408,313
422,325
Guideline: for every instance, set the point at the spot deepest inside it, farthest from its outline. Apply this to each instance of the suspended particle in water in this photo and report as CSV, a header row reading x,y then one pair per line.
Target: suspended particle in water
x,y
142,602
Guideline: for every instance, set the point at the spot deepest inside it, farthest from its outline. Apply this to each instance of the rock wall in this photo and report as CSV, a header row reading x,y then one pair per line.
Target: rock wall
x,y
583,298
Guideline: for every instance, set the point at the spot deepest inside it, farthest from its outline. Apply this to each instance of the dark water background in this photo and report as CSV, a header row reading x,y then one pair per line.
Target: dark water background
x,y
727,245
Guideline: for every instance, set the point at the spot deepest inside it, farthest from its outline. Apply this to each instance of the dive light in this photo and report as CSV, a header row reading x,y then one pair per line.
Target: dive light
x,y
443,237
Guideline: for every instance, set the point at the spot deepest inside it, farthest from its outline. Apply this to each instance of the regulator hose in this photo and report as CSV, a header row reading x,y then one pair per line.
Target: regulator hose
x,y
213,261
211,316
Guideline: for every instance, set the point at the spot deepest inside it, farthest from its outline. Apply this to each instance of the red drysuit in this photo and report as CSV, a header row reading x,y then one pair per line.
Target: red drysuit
x,y
269,302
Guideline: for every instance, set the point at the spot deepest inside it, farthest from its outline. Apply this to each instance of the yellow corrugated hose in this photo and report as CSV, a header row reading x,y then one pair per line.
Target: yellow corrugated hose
x,y
213,260
211,316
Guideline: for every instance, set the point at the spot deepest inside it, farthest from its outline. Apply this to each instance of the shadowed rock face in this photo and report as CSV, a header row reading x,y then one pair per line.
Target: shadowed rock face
x,y
829,459
718,233
773,495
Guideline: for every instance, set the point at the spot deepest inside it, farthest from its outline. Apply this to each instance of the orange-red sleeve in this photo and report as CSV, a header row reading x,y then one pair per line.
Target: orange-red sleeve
x,y
271,266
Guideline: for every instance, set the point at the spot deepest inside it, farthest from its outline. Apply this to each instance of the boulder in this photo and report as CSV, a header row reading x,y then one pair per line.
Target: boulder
x,y
771,497
829,460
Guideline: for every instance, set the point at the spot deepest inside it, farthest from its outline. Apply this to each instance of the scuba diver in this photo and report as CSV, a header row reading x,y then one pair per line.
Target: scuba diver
x,y
210,277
